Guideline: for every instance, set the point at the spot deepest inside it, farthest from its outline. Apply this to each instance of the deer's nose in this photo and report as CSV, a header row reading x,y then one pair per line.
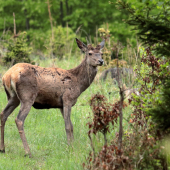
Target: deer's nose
x,y
101,61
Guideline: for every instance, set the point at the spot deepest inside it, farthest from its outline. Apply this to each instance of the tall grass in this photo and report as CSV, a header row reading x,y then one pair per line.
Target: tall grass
x,y
45,131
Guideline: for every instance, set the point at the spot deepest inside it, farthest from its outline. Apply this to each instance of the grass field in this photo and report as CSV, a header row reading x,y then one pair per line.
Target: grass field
x,y
45,131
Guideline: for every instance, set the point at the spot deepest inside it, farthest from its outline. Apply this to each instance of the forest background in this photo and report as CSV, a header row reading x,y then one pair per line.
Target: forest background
x,y
33,17
46,31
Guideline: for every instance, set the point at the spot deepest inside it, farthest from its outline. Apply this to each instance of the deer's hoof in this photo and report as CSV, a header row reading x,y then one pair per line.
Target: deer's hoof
x,y
28,155
2,150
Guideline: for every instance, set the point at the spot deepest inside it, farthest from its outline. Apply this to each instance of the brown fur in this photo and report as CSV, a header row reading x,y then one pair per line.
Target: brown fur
x,y
45,88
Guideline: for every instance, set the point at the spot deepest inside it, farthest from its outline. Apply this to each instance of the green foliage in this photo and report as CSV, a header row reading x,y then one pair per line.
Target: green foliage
x,y
161,111
153,81
145,139
104,34
62,42
113,52
37,38
18,51
33,17
151,20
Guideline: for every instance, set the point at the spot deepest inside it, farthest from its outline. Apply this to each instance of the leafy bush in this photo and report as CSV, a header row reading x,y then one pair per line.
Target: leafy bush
x,y
18,50
142,145
151,20
62,43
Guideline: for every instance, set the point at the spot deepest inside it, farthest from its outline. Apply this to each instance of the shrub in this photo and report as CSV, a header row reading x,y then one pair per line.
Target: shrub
x,y
17,50
62,44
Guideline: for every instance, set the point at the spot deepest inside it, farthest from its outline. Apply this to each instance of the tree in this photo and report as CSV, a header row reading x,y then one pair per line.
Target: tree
x,y
18,51
151,19
33,17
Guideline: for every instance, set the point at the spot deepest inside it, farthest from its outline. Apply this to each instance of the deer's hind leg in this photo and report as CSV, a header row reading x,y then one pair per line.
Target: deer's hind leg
x,y
13,102
24,110
27,101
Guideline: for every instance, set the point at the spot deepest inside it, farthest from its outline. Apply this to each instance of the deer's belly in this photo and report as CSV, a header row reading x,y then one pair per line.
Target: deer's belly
x,y
45,106
47,101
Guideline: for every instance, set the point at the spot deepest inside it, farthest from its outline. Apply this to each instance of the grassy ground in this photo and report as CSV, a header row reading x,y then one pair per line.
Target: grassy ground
x,y
45,131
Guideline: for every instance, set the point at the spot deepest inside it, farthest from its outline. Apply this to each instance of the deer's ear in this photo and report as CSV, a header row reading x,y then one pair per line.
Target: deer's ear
x,y
102,44
81,45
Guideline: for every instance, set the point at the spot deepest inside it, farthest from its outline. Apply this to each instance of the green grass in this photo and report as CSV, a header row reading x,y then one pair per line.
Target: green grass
x,y
45,132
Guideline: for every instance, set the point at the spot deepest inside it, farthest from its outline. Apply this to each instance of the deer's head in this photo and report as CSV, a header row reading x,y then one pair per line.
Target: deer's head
x,y
94,55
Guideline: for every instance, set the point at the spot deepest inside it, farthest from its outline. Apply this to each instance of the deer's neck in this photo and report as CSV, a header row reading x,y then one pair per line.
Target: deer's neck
x,y
85,74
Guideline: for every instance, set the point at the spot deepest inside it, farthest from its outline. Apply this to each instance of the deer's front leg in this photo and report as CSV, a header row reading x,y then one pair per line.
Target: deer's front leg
x,y
68,124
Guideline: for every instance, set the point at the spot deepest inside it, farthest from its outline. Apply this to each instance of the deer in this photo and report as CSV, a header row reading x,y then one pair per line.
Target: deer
x,y
45,88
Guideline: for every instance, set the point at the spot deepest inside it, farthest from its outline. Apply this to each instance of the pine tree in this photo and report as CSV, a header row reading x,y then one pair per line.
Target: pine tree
x,y
18,51
151,20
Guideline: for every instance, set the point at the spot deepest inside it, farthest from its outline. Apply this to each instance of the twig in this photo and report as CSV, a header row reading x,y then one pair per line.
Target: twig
x,y
91,143
51,22
121,92
14,24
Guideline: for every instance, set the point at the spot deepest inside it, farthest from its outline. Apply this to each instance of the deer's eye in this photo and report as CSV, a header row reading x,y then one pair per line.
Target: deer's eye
x,y
90,53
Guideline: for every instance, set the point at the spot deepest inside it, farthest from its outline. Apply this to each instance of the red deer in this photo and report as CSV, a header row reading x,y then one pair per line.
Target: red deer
x,y
45,88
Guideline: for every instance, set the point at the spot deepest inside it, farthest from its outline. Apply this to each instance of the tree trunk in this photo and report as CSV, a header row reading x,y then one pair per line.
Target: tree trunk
x,y
61,13
120,119
27,23
121,92
67,7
